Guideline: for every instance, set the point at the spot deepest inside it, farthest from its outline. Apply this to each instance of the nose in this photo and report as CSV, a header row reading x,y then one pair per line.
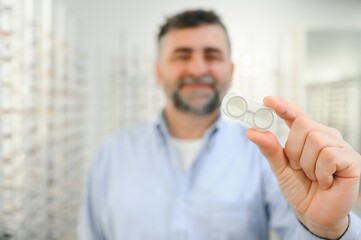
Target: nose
x,y
197,67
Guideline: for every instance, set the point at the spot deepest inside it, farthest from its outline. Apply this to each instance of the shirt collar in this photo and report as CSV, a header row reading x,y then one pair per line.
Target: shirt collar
x,y
162,128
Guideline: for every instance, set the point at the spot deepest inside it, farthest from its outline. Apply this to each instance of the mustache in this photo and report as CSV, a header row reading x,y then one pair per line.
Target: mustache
x,y
197,80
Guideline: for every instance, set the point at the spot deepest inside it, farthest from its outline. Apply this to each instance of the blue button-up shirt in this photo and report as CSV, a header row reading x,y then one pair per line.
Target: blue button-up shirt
x,y
137,190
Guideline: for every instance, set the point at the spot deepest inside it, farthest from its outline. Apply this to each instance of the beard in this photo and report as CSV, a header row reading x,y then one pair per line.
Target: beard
x,y
211,101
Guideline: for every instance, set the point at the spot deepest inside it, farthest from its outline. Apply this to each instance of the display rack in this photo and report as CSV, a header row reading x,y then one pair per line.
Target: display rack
x,y
42,101
12,130
56,106
337,104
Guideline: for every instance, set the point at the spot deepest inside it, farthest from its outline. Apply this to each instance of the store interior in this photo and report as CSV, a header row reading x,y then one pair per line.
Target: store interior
x,y
73,72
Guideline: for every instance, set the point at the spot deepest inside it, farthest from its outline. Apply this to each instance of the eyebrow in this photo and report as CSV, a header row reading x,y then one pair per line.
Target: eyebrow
x,y
182,50
189,50
213,50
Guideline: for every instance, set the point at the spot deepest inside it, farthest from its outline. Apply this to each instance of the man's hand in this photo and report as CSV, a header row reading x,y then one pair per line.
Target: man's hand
x,y
317,171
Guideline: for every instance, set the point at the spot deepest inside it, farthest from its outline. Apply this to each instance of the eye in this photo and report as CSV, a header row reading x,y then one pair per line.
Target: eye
x,y
213,56
182,56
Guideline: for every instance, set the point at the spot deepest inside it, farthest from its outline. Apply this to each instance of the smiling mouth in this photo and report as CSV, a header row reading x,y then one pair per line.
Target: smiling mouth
x,y
197,87
202,83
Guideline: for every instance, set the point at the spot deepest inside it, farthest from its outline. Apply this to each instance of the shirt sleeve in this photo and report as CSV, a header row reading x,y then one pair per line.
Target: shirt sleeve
x,y
281,218
353,232
89,224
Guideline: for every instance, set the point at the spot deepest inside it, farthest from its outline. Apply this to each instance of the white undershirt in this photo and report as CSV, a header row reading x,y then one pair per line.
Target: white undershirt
x,y
187,150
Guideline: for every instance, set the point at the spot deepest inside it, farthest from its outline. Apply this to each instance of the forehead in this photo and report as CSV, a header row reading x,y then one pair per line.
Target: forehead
x,y
196,38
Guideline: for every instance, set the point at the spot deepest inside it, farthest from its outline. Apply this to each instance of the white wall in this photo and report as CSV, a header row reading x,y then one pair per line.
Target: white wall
x,y
261,30
267,38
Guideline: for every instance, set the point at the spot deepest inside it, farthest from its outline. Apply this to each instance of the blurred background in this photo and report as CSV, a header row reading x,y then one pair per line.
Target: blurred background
x,y
75,71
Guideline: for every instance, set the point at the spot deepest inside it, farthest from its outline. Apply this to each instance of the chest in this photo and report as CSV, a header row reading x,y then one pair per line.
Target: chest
x,y
153,201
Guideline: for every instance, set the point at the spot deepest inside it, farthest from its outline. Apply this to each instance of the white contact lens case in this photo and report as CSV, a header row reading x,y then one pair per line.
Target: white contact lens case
x,y
255,114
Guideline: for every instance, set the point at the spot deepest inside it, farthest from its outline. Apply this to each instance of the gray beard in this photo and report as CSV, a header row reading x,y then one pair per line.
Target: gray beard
x,y
208,107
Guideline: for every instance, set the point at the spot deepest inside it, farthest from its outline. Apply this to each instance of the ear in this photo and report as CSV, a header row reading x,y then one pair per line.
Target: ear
x,y
232,68
157,73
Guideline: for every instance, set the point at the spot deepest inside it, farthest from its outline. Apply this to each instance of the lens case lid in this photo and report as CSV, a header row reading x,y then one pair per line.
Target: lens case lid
x,y
254,114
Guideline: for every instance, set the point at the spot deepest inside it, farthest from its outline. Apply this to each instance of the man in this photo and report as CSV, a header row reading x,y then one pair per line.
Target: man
x,y
190,175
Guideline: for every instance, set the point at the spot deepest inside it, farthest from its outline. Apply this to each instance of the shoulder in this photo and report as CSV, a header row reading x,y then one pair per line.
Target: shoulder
x,y
130,136
122,144
233,126
234,135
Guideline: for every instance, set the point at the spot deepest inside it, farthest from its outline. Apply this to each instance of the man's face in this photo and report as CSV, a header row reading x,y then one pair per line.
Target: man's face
x,y
194,68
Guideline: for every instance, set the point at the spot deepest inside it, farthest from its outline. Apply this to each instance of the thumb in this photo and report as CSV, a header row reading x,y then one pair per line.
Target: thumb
x,y
270,148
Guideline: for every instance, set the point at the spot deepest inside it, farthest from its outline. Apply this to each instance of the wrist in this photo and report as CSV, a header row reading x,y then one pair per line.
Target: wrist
x,y
328,233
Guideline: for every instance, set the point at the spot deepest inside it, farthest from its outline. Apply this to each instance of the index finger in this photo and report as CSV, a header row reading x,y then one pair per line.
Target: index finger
x,y
284,109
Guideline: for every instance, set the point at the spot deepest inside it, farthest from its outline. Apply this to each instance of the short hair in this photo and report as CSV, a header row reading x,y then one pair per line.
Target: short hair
x,y
191,19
